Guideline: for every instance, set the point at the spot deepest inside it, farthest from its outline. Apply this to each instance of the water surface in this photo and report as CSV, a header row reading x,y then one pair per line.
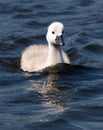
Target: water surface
x,y
64,96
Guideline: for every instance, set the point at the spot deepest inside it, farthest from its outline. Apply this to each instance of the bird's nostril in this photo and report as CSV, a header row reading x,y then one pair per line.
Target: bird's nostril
x,y
62,37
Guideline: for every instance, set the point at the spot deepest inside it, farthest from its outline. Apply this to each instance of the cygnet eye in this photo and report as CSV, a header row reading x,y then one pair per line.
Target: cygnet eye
x,y
53,32
62,32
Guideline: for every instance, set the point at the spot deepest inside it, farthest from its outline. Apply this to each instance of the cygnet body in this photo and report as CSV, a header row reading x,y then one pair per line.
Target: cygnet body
x,y
37,57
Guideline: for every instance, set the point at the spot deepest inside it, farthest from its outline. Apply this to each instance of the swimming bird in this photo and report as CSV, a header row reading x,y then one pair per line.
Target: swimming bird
x,y
37,57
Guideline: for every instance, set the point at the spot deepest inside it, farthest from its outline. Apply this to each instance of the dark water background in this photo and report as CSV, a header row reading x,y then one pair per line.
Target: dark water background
x,y
69,100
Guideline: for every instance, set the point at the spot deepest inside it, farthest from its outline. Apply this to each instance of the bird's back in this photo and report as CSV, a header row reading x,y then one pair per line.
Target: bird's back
x,y
34,58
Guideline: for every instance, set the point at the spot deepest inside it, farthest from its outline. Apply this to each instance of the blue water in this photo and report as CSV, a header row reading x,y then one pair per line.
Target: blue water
x,y
64,97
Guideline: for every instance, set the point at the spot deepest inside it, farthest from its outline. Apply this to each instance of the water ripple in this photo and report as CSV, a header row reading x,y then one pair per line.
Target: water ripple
x,y
62,96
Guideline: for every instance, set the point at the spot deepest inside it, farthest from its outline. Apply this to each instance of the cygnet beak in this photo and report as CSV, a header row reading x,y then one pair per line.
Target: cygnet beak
x,y
59,40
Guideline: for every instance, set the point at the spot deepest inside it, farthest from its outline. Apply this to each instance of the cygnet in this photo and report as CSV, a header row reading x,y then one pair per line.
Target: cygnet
x,y
37,57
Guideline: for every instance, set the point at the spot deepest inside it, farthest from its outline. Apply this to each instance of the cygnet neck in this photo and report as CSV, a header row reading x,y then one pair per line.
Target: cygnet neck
x,y
54,55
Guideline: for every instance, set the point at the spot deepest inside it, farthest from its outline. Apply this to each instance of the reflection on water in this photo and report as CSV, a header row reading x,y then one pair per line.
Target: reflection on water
x,y
52,92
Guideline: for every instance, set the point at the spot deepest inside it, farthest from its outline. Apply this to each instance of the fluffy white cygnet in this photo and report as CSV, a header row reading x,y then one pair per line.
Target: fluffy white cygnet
x,y
37,57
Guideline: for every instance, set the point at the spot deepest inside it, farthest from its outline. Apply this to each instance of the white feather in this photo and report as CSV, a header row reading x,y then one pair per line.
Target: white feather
x,y
37,57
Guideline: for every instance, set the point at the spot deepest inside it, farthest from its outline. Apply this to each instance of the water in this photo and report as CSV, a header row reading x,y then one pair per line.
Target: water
x,y
63,97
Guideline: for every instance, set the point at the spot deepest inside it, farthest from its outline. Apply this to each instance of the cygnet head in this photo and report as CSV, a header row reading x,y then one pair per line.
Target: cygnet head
x,y
55,34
